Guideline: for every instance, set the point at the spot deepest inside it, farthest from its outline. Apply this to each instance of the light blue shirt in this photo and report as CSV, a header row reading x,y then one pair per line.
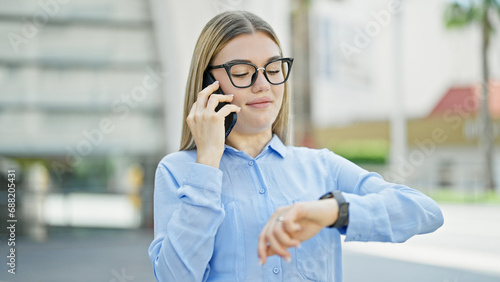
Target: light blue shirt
x,y
207,220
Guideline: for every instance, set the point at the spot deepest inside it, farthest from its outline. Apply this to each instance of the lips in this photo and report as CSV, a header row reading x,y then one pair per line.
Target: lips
x,y
262,102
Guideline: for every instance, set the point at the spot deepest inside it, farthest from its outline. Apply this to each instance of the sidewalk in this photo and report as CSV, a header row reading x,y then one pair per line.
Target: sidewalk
x,y
96,255
468,240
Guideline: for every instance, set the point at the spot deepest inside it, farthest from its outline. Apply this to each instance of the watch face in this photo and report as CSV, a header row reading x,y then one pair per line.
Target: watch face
x,y
328,195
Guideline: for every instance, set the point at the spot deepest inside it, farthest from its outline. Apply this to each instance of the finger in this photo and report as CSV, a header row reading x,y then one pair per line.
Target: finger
x,y
205,93
209,89
286,239
192,112
278,248
269,251
262,246
290,222
263,241
291,226
215,99
273,235
227,109
283,236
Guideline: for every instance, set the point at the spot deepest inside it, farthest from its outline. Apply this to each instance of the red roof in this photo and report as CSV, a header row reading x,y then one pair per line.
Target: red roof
x,y
465,100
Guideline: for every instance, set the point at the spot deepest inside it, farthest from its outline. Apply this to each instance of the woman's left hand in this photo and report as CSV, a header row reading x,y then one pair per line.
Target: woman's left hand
x,y
291,225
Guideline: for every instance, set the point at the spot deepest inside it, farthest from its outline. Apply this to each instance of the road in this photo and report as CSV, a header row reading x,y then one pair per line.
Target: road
x,y
466,248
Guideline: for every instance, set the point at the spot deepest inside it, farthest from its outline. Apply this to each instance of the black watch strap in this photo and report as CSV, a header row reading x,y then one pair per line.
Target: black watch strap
x,y
343,218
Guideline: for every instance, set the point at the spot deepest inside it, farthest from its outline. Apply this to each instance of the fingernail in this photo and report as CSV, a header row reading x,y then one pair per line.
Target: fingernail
x,y
215,82
261,262
288,259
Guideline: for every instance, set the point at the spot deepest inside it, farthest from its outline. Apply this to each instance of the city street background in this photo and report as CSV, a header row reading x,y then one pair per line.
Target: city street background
x,y
91,99
465,249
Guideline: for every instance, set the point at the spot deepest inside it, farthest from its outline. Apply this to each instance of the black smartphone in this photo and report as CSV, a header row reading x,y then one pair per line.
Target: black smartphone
x,y
230,120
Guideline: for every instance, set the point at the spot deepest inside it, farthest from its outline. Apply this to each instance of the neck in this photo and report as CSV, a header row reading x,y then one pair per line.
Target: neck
x,y
252,144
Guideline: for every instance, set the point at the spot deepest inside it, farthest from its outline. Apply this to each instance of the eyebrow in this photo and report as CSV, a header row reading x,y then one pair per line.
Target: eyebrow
x,y
248,61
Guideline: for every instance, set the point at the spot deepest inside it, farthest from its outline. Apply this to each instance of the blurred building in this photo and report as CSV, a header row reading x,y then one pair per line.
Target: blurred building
x,y
80,93
93,92
384,64
358,46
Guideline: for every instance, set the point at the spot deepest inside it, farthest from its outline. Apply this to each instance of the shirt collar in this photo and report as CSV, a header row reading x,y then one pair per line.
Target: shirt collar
x,y
275,145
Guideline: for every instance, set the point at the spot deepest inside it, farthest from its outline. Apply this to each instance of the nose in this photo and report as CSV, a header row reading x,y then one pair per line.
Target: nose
x,y
261,83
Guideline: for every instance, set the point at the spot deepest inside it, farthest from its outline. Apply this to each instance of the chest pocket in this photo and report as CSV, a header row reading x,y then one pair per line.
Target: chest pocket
x,y
315,257
228,259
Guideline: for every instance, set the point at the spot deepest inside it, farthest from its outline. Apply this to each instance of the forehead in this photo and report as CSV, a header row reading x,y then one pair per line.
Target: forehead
x,y
257,48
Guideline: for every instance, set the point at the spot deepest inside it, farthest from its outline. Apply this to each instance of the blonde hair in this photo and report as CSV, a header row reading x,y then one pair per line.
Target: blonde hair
x,y
215,35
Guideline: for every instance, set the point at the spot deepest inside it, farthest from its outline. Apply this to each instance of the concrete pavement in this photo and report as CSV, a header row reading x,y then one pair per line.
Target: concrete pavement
x,y
469,240
466,248
83,255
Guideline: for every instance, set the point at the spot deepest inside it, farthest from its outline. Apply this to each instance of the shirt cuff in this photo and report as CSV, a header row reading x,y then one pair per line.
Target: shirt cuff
x,y
202,186
203,176
360,222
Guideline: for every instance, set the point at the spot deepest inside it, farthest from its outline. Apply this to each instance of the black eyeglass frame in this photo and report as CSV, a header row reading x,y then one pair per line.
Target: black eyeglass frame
x,y
227,67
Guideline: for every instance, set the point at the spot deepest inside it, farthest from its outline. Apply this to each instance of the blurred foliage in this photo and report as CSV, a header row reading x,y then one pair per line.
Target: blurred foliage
x,y
459,14
463,197
369,151
90,175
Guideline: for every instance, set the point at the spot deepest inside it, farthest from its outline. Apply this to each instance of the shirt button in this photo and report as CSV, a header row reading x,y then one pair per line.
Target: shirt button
x,y
262,191
276,270
250,163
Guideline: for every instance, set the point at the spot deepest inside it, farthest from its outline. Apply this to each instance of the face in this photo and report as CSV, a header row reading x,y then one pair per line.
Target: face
x,y
261,102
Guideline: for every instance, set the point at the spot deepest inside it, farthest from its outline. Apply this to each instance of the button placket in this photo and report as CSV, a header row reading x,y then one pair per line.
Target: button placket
x,y
259,183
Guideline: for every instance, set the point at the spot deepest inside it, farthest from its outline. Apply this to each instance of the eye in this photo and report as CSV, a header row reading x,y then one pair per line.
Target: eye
x,y
239,75
273,72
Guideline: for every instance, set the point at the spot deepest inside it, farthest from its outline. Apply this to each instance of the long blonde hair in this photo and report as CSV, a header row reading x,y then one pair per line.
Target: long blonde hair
x,y
215,35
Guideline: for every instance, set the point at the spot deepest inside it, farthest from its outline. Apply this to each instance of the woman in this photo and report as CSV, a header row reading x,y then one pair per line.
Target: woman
x,y
215,199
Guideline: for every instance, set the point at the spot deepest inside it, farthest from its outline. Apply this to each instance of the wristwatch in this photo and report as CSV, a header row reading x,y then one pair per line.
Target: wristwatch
x,y
343,218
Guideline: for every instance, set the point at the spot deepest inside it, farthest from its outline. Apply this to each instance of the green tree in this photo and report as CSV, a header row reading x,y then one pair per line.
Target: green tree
x,y
462,13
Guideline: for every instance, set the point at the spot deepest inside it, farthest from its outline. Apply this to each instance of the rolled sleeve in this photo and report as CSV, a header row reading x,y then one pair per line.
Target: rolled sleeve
x,y
201,186
188,212
360,219
383,211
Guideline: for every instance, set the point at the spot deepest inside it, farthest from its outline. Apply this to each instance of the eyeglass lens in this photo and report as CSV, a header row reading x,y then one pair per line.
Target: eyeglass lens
x,y
242,75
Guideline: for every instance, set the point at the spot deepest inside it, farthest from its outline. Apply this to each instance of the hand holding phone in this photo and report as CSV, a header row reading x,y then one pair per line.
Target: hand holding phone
x,y
230,119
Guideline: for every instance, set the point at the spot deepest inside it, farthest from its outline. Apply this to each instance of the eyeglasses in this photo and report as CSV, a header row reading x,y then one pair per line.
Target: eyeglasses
x,y
244,74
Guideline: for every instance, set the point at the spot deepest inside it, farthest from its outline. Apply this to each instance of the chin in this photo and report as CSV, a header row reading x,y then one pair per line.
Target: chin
x,y
254,123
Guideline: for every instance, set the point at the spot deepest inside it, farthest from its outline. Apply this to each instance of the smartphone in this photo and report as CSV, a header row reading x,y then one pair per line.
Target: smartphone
x,y
230,120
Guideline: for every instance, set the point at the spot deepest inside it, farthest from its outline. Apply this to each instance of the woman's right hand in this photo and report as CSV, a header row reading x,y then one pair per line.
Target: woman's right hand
x,y
207,125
